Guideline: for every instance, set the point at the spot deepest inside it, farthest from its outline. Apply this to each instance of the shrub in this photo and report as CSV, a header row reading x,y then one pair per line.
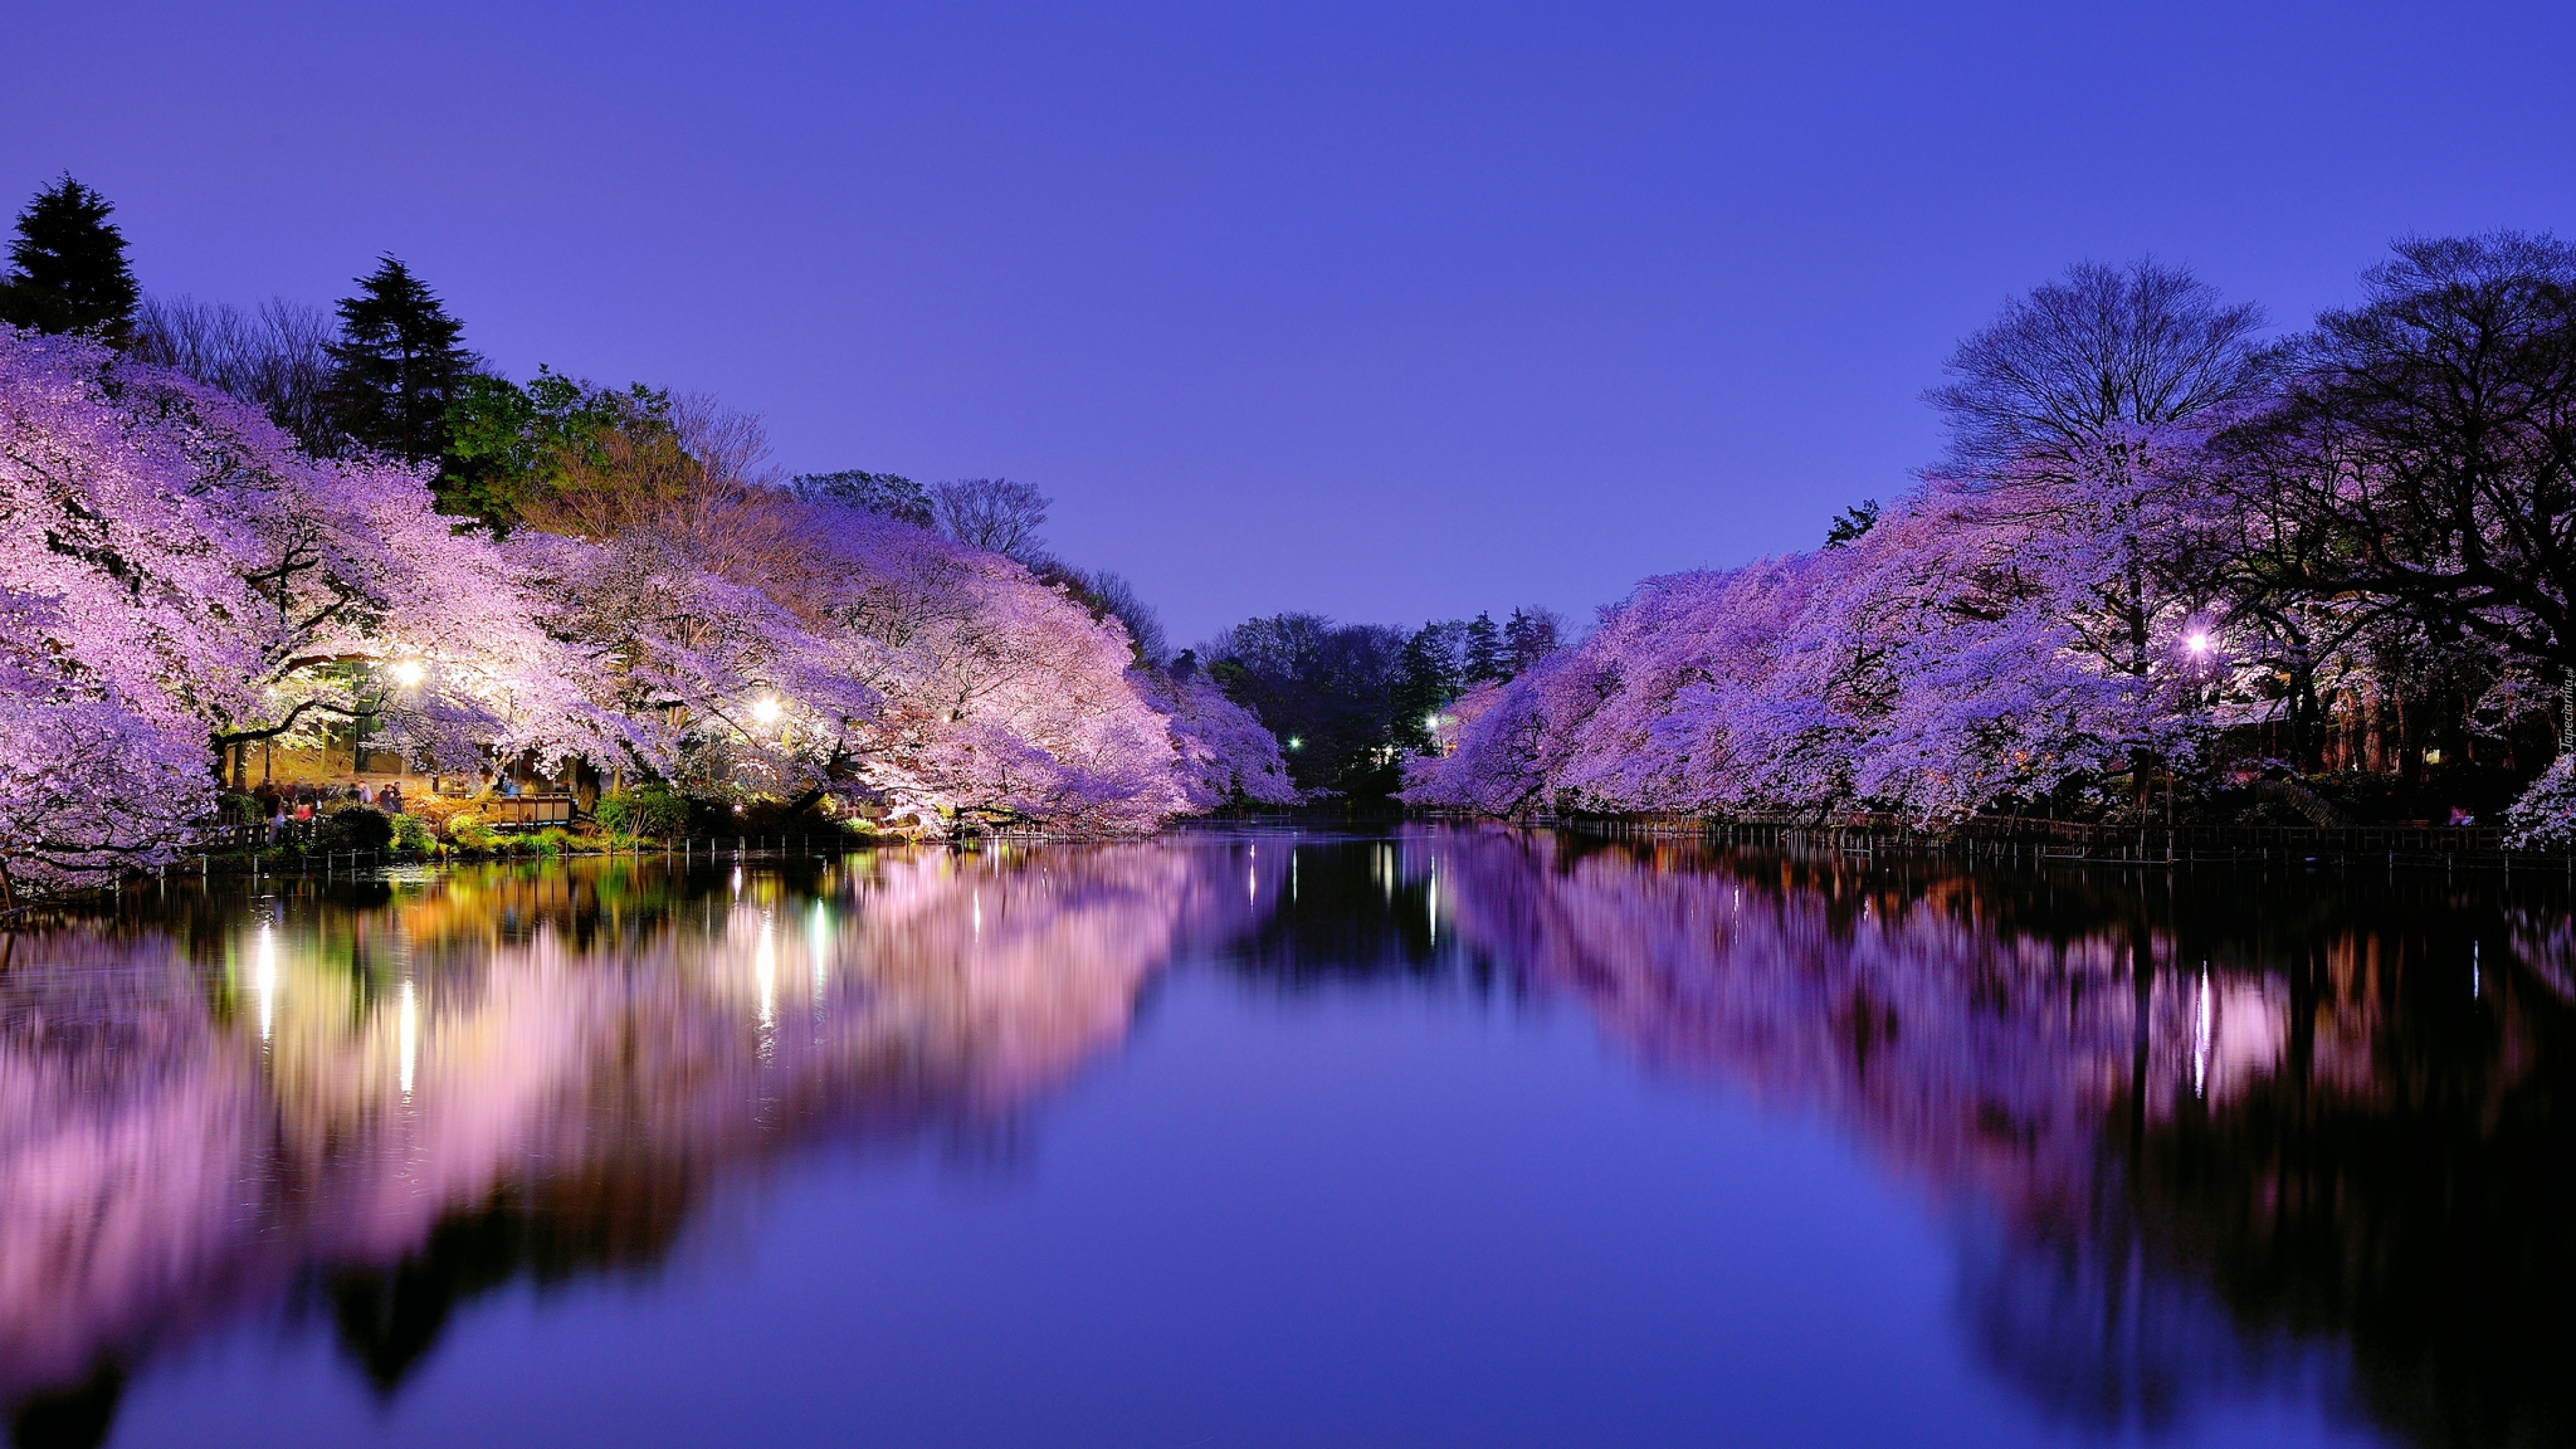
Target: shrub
x,y
763,816
352,826
467,829
413,833
553,841
649,810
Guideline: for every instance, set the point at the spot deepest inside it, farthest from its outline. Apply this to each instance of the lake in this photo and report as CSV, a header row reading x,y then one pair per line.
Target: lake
x,y
1438,1136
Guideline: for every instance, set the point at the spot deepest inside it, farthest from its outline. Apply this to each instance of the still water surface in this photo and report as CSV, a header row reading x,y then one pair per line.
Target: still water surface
x,y
1456,1137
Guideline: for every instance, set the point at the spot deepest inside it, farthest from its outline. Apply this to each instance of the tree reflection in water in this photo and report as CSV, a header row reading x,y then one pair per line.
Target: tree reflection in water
x,y
395,1096
2200,1135
2234,1129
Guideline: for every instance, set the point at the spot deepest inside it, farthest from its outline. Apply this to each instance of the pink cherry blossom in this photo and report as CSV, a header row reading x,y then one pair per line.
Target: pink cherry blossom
x,y
179,577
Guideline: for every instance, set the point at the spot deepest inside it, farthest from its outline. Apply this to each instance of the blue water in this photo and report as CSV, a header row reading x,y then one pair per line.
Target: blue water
x,y
1184,1144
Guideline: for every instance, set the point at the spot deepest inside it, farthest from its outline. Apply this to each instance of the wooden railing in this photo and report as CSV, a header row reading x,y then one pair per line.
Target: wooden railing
x,y
514,810
2071,837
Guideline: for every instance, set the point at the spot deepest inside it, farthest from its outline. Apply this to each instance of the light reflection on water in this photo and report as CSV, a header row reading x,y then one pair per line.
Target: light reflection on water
x,y
2193,1142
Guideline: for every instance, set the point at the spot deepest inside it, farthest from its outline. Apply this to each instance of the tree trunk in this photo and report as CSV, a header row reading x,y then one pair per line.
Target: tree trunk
x,y
2307,712
2410,739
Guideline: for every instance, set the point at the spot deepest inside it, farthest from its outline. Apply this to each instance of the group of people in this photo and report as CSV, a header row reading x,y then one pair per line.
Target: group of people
x,y
284,807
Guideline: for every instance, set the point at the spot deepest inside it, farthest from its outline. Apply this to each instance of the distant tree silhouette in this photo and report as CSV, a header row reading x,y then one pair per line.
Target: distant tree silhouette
x,y
277,357
995,514
69,272
888,494
400,362
1852,523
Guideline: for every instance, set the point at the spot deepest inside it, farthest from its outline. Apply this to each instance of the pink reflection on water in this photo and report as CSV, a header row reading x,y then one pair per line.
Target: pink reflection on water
x,y
186,1127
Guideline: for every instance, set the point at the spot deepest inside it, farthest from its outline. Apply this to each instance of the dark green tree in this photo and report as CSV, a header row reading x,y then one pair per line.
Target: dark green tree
x,y
399,365
1326,690
1852,523
507,445
68,269
1484,650
890,494
1429,674
1529,636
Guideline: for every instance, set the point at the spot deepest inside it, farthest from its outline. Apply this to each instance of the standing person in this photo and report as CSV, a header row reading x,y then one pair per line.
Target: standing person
x,y
390,798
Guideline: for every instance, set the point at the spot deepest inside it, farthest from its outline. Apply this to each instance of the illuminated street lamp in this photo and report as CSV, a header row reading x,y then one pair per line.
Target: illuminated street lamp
x,y
2198,643
370,691
1296,743
765,709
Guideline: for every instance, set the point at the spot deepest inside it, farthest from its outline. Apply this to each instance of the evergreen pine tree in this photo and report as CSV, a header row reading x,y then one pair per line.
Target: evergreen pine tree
x,y
1484,650
1528,637
399,363
68,267
1426,681
1852,523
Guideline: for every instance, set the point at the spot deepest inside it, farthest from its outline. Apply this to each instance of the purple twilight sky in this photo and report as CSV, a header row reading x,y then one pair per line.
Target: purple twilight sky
x,y
1385,311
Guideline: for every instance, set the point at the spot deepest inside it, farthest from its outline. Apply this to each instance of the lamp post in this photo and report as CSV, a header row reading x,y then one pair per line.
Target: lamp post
x,y
406,674
2199,646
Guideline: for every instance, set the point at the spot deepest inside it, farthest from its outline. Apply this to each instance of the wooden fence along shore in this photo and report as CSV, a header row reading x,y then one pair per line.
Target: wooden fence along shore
x,y
234,850
231,850
2031,838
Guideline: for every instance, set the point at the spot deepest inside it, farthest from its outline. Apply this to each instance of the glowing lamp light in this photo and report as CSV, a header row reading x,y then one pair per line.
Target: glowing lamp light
x,y
2198,643
409,672
1296,743
765,709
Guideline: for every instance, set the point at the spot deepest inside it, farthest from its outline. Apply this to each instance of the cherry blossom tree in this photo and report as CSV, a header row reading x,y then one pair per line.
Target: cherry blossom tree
x,y
1936,664
1223,754
764,642
88,788
229,587
2024,619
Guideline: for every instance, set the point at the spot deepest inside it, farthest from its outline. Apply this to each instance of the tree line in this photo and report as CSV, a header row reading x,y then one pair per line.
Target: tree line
x,y
229,531
1350,703
386,373
2171,567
